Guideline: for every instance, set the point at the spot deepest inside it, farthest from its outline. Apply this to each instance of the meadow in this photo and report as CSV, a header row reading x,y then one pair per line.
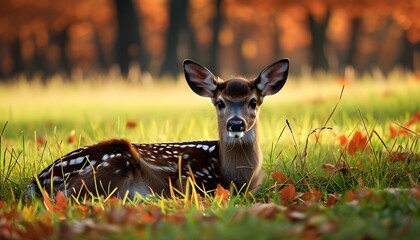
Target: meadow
x,y
341,158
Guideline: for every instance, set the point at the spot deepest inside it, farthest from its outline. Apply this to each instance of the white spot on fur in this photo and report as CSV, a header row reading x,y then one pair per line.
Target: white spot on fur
x,y
205,171
205,147
199,146
61,164
211,149
105,157
77,161
104,164
185,156
85,170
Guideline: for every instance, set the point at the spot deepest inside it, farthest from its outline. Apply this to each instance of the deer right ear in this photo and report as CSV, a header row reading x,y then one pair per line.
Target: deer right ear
x,y
200,79
273,77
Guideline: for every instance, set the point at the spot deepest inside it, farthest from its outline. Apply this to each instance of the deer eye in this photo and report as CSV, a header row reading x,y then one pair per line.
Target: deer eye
x,y
220,104
253,104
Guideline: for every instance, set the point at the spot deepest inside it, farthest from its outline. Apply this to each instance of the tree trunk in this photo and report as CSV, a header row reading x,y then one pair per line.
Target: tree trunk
x,y
351,53
214,49
319,39
408,49
177,18
128,38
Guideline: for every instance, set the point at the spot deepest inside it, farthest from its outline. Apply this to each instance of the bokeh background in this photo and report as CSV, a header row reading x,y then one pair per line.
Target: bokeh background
x,y
43,38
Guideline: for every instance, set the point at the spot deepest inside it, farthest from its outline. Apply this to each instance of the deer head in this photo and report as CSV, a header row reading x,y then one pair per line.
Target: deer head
x,y
237,100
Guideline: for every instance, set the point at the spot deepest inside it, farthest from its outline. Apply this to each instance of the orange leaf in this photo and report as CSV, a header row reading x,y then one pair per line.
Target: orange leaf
x,y
343,141
329,167
279,177
399,156
331,200
60,202
221,193
47,202
316,195
40,140
351,196
71,139
413,120
306,196
393,132
287,194
3,204
131,124
357,142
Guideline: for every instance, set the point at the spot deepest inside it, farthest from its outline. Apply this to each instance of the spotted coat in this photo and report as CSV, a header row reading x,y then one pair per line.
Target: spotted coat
x,y
117,166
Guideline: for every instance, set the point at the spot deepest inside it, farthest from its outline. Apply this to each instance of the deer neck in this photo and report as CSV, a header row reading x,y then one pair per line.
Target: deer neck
x,y
241,159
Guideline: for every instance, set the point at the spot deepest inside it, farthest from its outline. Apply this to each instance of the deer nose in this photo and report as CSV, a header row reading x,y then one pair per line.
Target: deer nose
x,y
236,125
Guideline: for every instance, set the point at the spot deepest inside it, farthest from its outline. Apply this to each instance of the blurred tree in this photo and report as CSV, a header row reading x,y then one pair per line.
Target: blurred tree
x,y
214,49
128,45
180,34
318,20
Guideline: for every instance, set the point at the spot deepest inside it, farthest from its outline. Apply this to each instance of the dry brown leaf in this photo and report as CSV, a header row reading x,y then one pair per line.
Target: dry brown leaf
x,y
287,194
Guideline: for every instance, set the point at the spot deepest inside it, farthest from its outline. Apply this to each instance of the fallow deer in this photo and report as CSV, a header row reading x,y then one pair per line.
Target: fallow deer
x,y
119,167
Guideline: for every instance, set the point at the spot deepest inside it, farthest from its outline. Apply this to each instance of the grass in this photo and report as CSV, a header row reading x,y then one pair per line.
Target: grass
x,y
372,192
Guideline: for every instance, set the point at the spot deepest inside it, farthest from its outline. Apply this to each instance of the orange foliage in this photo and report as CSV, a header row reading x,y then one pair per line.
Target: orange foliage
x,y
394,132
287,194
356,143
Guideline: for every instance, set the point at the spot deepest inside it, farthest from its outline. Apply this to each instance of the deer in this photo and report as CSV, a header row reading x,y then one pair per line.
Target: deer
x,y
117,167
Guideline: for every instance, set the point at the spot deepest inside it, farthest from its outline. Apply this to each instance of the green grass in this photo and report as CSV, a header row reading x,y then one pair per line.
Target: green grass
x,y
36,121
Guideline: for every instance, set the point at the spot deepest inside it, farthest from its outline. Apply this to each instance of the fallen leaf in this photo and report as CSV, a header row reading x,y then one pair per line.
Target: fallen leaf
x,y
357,142
131,124
60,202
343,141
287,194
329,167
351,196
221,195
332,200
279,177
47,202
3,204
40,140
316,195
413,120
402,131
71,139
400,156
313,195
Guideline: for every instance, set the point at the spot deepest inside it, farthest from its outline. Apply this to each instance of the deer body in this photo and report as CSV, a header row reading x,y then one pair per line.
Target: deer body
x,y
115,167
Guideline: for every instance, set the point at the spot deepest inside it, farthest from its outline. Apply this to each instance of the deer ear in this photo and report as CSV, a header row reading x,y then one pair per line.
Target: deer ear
x,y
200,79
273,77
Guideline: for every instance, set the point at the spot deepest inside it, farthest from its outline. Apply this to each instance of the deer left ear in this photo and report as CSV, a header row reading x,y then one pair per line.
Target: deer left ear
x,y
273,77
